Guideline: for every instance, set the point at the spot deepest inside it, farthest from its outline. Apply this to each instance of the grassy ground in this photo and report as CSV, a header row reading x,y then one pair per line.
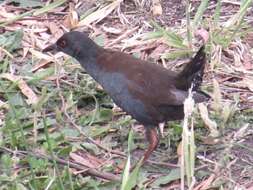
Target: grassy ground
x,y
60,130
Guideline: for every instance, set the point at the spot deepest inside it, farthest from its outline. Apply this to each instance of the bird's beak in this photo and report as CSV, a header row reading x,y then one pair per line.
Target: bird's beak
x,y
51,48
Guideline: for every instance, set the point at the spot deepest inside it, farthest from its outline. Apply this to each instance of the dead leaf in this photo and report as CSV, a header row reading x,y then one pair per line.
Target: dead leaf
x,y
209,140
111,30
25,89
25,51
95,160
86,159
242,132
248,82
249,39
203,33
55,29
6,52
41,55
158,51
157,8
42,64
122,36
212,125
81,160
206,183
247,61
100,14
71,21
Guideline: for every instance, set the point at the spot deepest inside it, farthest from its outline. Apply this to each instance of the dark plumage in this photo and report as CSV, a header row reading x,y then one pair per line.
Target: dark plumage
x,y
148,92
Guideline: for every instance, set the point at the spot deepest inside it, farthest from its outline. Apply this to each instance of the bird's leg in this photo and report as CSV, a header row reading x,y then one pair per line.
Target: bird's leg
x,y
152,137
161,127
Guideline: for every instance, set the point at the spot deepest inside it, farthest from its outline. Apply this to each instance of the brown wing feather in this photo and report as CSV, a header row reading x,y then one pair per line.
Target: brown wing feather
x,y
146,81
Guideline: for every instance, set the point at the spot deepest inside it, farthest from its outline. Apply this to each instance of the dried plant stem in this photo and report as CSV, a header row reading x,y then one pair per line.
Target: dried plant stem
x,y
88,171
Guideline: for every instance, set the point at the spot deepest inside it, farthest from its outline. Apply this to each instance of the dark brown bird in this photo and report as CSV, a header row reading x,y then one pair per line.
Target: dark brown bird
x,y
148,92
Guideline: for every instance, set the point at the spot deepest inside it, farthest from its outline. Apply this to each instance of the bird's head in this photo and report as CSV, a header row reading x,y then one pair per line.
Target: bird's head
x,y
74,43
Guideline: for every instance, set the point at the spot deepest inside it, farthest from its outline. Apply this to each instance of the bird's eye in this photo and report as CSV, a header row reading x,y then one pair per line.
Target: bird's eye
x,y
62,43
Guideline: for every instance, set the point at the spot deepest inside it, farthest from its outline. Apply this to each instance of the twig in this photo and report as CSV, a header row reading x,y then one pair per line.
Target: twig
x,y
123,36
231,2
6,52
86,170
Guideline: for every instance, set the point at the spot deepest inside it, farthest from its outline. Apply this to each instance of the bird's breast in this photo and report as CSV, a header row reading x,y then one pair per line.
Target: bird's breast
x,y
117,86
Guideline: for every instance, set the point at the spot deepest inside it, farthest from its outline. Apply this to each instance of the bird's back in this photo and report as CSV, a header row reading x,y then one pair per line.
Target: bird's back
x,y
144,90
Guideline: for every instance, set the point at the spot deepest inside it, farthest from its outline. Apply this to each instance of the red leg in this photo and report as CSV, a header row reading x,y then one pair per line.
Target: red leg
x,y
153,140
152,137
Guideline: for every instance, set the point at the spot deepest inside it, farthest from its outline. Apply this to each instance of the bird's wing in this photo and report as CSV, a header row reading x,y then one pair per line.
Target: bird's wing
x,y
160,94
155,86
148,82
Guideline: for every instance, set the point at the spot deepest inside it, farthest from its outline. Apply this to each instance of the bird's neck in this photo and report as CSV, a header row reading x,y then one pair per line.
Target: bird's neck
x,y
88,60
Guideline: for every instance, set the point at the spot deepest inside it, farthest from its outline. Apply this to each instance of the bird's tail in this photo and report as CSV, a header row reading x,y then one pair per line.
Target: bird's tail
x,y
194,70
